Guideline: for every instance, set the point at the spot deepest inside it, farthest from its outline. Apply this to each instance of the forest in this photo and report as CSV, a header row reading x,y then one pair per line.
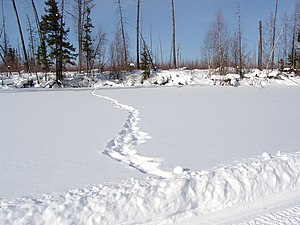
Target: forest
x,y
48,48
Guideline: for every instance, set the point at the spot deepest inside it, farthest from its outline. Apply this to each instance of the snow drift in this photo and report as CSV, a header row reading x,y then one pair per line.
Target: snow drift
x,y
154,200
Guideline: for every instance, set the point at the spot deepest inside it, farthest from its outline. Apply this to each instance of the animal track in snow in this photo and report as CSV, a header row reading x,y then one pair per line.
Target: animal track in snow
x,y
122,147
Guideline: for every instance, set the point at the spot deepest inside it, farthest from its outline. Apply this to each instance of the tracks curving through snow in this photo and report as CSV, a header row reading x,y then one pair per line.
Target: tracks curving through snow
x,y
289,216
122,147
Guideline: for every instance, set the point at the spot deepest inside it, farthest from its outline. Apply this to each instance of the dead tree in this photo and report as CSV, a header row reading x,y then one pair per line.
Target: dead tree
x,y
240,40
296,26
3,31
99,51
21,36
173,36
260,46
138,34
79,34
274,36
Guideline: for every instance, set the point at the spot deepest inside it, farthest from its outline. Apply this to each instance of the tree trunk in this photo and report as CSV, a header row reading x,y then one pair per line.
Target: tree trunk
x,y
5,40
21,36
219,33
79,35
138,34
274,36
59,75
240,41
294,48
260,46
173,36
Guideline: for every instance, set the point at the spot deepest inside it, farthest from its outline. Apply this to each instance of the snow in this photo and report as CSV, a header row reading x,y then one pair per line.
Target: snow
x,y
200,127
51,141
122,147
156,200
176,155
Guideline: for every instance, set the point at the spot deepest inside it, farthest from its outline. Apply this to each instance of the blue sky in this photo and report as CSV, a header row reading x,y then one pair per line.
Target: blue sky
x,y
193,18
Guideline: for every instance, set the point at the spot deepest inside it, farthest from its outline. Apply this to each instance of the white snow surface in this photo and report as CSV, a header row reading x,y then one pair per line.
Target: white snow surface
x,y
193,129
51,141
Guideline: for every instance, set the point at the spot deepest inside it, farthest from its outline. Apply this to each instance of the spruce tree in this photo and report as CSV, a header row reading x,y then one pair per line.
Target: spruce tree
x,y
145,62
53,27
87,40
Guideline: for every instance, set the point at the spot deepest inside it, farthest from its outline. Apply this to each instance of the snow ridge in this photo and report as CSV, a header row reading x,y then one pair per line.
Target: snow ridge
x,y
122,147
160,201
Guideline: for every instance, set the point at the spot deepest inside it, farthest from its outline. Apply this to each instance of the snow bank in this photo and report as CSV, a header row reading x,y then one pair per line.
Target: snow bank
x,y
176,77
154,200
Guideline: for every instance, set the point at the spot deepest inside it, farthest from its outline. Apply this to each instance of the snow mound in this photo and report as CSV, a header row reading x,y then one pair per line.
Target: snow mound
x,y
155,200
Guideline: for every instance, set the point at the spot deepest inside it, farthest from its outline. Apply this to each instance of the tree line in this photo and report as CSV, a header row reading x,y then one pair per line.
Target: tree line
x,y
278,39
49,49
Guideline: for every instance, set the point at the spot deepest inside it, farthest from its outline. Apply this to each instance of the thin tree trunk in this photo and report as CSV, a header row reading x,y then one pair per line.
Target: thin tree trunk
x,y
79,35
294,40
161,52
101,39
138,34
240,41
173,36
260,46
221,59
4,30
21,36
274,36
59,75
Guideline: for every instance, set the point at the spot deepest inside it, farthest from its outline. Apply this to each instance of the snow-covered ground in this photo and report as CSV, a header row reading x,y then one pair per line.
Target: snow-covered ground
x,y
175,155
51,141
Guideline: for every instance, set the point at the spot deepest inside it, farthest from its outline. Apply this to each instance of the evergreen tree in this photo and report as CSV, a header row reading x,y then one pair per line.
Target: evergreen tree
x,y
87,40
145,62
42,57
53,27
